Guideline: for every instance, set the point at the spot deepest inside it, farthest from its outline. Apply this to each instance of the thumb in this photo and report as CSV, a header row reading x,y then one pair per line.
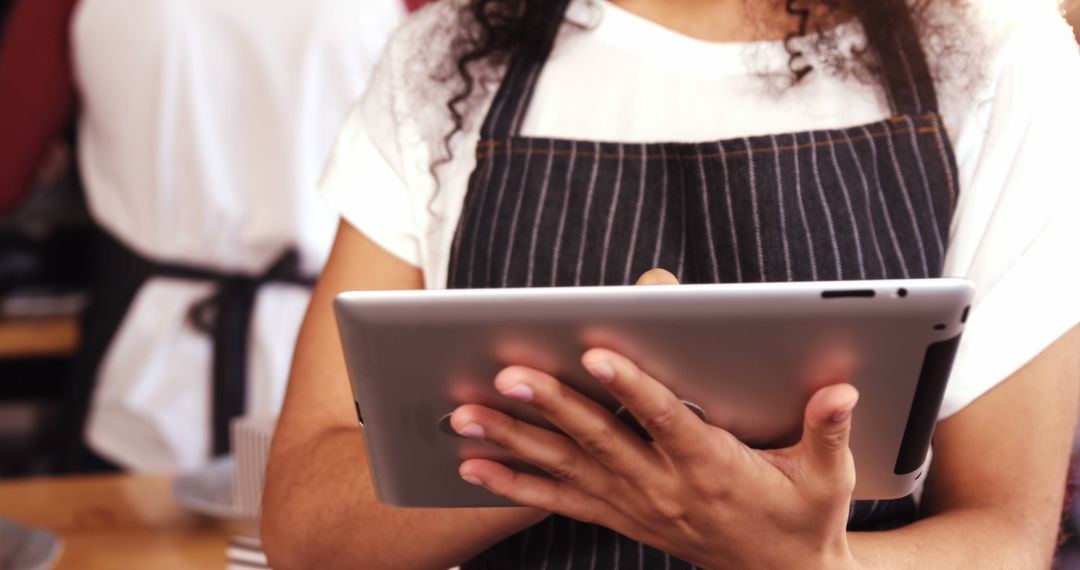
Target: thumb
x,y
657,277
827,428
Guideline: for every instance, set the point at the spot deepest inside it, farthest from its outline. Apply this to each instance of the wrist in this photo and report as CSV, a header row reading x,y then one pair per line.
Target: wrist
x,y
838,556
832,556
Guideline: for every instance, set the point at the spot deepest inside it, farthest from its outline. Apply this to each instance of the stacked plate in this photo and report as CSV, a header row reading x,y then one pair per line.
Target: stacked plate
x,y
231,488
27,548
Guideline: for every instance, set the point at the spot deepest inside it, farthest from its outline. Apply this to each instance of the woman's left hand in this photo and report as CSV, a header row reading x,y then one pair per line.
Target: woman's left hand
x,y
695,491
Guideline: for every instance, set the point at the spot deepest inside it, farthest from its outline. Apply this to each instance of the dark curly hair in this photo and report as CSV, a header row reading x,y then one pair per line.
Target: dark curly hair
x,y
489,33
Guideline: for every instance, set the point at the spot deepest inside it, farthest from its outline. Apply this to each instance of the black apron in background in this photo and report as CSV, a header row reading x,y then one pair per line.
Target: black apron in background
x,y
119,274
867,202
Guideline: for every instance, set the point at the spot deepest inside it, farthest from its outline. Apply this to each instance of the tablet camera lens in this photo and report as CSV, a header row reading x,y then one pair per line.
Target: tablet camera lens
x,y
445,427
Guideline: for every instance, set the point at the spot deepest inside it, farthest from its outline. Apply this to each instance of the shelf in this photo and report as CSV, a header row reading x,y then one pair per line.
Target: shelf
x,y
35,338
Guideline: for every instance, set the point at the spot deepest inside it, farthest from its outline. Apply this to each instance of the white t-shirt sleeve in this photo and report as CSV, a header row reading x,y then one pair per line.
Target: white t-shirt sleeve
x,y
365,180
360,183
1017,225
379,177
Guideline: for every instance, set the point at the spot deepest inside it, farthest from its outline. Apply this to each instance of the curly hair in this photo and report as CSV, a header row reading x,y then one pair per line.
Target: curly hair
x,y
489,33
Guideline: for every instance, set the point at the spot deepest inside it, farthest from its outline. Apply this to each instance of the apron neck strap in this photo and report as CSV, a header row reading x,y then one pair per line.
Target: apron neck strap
x,y
902,67
903,70
515,93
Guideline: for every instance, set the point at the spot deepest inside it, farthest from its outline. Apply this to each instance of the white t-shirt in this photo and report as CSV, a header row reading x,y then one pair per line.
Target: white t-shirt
x,y
204,126
1009,103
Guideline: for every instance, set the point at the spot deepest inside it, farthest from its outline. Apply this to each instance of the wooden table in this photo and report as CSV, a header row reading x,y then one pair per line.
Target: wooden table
x,y
119,521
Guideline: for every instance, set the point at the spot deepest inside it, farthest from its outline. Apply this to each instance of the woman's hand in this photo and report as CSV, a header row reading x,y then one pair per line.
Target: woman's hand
x,y
695,491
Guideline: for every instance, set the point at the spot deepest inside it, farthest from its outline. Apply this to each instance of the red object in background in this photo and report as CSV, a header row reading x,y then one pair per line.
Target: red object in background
x,y
37,92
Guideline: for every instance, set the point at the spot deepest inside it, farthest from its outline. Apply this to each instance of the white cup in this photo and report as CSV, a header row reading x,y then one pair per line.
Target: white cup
x,y
251,438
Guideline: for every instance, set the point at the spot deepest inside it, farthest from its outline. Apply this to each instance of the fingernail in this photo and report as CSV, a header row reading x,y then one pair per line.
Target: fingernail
x,y
601,369
841,415
472,431
521,392
473,480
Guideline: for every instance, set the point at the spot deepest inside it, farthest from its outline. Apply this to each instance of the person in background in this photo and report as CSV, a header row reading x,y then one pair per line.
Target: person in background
x,y
515,143
202,128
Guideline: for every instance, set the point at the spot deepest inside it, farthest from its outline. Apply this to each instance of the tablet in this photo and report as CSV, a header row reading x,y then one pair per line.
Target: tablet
x,y
745,357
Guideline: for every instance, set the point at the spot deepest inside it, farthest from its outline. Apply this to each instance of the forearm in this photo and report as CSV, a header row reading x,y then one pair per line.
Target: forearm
x,y
319,507
995,493
969,538
320,512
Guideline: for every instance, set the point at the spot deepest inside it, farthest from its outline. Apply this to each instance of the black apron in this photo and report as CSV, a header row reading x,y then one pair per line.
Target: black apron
x,y
225,315
868,202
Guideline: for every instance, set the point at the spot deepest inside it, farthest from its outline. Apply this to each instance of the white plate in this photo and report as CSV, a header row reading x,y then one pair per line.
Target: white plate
x,y
27,548
209,491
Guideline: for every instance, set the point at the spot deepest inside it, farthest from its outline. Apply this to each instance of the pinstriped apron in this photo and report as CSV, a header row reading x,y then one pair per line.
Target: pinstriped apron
x,y
868,202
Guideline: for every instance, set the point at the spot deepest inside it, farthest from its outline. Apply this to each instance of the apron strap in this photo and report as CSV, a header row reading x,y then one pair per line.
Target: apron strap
x,y
903,69
515,92
225,316
117,278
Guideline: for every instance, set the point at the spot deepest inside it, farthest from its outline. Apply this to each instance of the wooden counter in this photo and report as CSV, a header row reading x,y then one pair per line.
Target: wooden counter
x,y
119,521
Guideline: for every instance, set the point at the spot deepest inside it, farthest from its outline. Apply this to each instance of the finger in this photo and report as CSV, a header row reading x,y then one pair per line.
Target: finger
x,y
593,427
673,427
658,277
537,492
552,452
827,429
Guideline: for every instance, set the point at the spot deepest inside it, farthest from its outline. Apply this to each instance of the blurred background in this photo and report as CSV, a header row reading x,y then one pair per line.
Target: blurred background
x,y
160,230
46,248
44,276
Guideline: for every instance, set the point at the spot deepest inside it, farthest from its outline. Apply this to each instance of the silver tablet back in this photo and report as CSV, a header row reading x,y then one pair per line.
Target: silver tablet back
x,y
747,355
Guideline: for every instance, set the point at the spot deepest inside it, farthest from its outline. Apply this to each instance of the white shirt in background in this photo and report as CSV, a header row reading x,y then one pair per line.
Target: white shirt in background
x,y
204,126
